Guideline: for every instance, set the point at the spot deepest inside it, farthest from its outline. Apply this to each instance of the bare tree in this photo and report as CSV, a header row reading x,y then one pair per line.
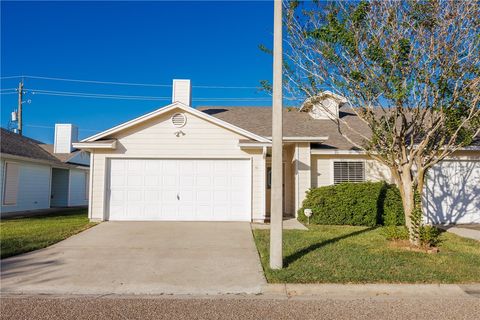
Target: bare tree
x,y
409,70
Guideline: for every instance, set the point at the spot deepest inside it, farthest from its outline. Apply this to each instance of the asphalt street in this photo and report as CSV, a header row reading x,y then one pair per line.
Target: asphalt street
x,y
235,307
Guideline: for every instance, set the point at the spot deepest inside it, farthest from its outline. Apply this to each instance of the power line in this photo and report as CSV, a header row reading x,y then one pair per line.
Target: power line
x,y
129,83
134,97
52,127
11,77
41,91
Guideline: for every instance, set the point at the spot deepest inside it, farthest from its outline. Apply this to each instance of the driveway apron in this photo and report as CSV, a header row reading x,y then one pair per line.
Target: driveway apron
x,y
142,258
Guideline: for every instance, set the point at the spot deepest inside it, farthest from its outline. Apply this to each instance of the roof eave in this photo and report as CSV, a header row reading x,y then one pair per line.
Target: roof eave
x,y
168,108
101,144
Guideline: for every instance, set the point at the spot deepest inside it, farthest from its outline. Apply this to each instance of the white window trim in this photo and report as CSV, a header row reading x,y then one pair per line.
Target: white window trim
x,y
332,168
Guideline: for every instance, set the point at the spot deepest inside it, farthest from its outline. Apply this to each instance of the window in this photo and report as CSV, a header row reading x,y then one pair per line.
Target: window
x,y
10,184
348,171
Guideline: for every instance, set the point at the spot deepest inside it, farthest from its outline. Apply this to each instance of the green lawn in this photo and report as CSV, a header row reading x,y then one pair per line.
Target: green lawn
x,y
346,254
19,235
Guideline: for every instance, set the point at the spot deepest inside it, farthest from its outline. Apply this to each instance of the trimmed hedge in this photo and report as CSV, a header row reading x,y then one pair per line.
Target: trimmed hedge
x,y
357,204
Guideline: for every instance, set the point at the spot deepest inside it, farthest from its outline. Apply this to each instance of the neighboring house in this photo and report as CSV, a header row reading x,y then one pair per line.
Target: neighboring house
x,y
213,164
39,176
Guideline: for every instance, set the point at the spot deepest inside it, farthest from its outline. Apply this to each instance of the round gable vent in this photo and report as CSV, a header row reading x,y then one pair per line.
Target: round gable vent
x,y
179,120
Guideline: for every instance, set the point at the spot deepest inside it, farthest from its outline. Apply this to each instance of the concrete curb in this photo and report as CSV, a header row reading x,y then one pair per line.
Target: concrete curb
x,y
301,292
357,291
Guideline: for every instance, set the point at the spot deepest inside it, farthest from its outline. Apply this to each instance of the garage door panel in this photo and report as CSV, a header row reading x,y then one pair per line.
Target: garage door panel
x,y
151,180
135,165
135,181
220,196
452,192
203,180
170,189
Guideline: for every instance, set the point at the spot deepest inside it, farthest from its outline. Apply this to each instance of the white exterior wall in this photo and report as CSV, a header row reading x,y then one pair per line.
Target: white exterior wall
x,y
322,169
452,190
155,138
77,188
302,167
33,186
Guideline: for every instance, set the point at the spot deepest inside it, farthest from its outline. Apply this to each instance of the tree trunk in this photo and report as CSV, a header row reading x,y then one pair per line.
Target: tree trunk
x,y
406,186
408,200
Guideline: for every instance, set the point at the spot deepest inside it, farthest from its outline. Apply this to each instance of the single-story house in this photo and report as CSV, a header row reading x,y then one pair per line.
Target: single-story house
x,y
37,176
213,164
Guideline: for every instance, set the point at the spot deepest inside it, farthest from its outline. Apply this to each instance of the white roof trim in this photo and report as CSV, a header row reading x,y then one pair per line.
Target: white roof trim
x,y
304,139
103,144
254,144
61,165
168,108
335,151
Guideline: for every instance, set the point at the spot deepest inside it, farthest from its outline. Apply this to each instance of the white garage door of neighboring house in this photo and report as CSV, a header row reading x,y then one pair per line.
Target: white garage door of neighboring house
x,y
453,192
180,189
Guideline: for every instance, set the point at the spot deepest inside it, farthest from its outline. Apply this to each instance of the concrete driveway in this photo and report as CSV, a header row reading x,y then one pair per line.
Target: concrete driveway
x,y
142,258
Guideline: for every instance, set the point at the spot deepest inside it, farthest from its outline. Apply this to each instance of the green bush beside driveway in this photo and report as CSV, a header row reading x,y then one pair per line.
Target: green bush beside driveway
x,y
357,204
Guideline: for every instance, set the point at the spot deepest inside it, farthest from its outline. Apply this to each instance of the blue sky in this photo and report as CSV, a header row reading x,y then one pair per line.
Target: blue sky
x,y
211,43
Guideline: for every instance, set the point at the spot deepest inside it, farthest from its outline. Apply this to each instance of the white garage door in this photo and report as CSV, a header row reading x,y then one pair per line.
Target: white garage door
x,y
453,192
180,189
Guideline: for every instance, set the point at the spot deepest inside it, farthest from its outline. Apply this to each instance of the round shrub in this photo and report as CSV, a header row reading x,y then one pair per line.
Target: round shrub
x,y
358,204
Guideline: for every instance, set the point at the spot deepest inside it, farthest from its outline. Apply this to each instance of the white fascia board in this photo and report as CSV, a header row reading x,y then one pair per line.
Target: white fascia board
x,y
104,144
304,139
168,108
36,161
254,144
335,151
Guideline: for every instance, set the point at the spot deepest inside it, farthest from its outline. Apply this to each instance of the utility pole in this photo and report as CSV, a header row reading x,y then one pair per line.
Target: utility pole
x,y
20,97
276,211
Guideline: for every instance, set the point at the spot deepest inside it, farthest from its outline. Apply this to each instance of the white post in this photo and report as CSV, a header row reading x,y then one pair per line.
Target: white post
x,y
276,211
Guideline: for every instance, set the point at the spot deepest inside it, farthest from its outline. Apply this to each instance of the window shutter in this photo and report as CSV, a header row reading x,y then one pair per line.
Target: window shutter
x,y
10,189
348,171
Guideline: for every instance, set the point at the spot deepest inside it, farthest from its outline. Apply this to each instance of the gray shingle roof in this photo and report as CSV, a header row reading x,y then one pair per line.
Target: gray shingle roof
x,y
64,157
14,144
295,124
21,146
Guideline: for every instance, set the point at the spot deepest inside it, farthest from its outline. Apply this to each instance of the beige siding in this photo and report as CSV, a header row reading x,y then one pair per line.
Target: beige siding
x,y
322,169
156,138
258,186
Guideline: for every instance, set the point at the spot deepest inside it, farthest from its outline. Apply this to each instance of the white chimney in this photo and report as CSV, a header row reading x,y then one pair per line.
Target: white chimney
x,y
182,91
65,135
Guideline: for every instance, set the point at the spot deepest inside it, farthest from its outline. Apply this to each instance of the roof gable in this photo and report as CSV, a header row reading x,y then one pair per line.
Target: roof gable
x,y
169,108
